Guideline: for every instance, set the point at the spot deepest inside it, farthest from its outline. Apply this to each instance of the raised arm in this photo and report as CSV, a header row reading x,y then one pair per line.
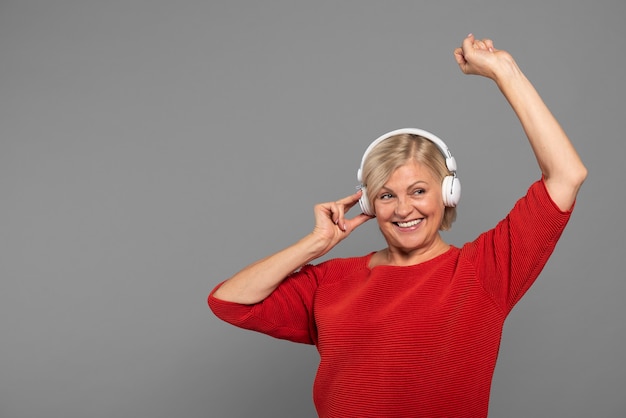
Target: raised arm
x,y
559,162
257,281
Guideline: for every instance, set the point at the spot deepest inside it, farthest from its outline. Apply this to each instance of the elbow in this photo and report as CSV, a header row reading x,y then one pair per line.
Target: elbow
x,y
575,179
225,293
579,176
571,177
564,186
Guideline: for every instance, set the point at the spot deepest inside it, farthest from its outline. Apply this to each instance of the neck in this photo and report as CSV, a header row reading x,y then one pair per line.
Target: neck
x,y
399,257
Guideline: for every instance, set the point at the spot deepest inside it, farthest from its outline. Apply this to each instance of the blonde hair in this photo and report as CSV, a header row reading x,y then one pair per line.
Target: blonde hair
x,y
394,152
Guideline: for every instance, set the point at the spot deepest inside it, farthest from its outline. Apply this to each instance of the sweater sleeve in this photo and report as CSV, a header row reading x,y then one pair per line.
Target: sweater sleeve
x,y
287,313
509,257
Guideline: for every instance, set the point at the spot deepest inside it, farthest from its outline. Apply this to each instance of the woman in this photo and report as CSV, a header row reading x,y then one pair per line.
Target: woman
x,y
413,329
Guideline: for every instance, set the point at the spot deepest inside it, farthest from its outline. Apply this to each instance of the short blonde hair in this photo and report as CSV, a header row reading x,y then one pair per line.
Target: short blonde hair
x,y
394,152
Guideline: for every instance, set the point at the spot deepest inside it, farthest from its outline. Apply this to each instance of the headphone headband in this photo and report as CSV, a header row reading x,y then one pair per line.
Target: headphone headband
x,y
450,161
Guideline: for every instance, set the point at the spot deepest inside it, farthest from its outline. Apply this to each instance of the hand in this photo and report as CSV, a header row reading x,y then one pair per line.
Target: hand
x,y
480,57
331,225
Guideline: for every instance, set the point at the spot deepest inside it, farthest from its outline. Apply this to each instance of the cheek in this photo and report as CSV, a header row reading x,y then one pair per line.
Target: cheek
x,y
381,212
433,207
384,214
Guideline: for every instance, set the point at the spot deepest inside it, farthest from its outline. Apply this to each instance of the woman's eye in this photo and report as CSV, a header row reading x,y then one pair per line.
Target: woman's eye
x,y
385,196
419,191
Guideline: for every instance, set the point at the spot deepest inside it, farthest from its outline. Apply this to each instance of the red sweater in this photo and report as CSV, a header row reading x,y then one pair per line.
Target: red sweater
x,y
416,341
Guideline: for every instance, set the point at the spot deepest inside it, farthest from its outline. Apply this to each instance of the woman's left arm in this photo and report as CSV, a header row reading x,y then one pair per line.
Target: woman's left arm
x,y
562,168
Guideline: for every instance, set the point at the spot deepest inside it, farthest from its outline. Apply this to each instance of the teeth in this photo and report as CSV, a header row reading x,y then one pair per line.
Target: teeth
x,y
409,224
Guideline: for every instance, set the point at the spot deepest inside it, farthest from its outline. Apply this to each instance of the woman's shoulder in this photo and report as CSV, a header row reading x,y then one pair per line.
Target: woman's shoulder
x,y
337,268
342,263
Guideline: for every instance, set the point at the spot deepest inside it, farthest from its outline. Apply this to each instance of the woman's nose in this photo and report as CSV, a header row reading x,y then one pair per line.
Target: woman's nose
x,y
403,207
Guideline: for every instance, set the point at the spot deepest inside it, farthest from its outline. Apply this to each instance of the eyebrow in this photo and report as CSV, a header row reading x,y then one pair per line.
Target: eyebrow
x,y
409,187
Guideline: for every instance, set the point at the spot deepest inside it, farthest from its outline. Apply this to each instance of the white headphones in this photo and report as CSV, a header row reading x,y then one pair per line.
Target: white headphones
x,y
450,187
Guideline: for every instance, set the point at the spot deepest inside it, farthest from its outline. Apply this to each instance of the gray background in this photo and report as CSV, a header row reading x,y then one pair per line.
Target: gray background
x,y
149,149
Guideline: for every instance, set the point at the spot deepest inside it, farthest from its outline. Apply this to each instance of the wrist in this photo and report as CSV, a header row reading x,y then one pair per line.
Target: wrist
x,y
313,246
507,72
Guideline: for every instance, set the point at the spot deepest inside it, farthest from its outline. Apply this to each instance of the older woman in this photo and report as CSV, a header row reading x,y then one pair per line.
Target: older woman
x,y
413,329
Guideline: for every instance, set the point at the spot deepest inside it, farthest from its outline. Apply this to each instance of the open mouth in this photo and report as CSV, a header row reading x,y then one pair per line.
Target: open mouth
x,y
408,224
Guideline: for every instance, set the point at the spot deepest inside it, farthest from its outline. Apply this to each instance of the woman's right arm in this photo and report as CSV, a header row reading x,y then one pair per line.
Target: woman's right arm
x,y
258,280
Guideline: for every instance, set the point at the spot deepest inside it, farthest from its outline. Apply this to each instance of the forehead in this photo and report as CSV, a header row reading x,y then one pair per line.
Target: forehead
x,y
410,173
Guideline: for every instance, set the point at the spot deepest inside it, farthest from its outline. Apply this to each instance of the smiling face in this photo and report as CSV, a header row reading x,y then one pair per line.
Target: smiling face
x,y
409,210
389,155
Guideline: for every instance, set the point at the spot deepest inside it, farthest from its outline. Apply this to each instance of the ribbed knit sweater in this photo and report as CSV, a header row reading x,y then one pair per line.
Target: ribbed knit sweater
x,y
415,341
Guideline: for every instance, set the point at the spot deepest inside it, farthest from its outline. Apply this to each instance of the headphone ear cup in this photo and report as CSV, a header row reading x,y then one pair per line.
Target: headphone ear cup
x,y
451,191
364,203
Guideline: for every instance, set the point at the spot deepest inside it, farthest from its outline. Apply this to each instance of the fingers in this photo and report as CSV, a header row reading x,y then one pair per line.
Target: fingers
x,y
342,206
467,42
471,41
477,56
459,57
489,44
336,212
471,44
466,48
358,220
479,44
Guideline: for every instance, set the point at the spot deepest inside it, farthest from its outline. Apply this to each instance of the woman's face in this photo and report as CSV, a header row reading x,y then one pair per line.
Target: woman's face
x,y
409,209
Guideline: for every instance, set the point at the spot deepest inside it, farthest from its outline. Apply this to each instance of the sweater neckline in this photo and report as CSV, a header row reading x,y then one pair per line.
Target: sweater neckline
x,y
435,259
